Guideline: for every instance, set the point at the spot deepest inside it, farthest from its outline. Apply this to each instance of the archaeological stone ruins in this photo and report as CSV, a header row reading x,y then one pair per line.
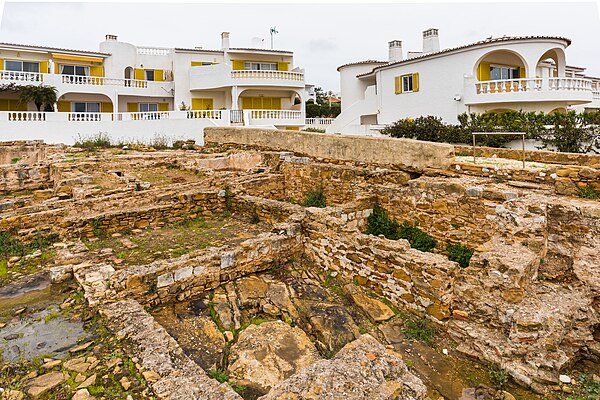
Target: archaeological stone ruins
x,y
207,273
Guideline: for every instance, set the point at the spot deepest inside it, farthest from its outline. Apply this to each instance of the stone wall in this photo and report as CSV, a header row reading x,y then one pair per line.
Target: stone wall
x,y
19,177
552,157
27,152
407,152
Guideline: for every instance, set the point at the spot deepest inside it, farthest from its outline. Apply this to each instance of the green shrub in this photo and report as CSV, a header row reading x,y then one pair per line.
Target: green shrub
x,y
219,375
417,238
99,140
311,129
588,192
459,253
315,198
15,160
378,223
420,329
498,376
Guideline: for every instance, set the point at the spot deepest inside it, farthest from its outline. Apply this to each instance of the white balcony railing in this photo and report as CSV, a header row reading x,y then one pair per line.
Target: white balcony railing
x,y
102,81
153,51
280,75
596,95
20,76
533,85
275,114
26,116
206,114
319,121
29,116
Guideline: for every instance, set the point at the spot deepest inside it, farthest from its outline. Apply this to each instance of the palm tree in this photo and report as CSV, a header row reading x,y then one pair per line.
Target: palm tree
x,y
40,95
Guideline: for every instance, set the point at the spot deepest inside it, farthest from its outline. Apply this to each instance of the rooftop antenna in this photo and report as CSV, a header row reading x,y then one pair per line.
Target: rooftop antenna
x,y
273,32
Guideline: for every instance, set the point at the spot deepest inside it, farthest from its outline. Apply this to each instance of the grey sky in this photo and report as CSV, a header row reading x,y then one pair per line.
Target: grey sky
x,y
323,36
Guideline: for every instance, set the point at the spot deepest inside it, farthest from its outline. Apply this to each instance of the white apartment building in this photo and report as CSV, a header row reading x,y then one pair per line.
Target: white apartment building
x,y
508,73
135,91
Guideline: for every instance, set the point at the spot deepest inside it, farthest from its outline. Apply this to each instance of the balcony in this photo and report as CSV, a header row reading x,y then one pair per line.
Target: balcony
x,y
569,90
221,75
274,117
89,84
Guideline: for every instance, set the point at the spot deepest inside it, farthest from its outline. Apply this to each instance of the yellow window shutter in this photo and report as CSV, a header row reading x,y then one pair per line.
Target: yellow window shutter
x,y
159,75
43,67
1,64
276,103
4,105
283,66
138,74
56,68
522,73
238,64
208,104
415,77
97,70
398,84
106,107
483,72
133,107
196,104
246,103
258,103
163,106
64,106
196,63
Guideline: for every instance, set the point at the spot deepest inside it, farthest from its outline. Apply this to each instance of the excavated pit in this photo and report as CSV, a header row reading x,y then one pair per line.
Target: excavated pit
x,y
198,257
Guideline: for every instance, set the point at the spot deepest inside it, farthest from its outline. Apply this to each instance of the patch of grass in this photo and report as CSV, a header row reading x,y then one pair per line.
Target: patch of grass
x,y
420,329
3,268
51,316
97,229
459,253
239,389
588,192
315,198
15,160
122,255
219,375
254,218
498,376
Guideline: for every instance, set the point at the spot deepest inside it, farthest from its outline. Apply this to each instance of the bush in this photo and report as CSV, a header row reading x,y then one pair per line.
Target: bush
x,y
99,140
315,198
498,376
316,130
421,330
378,223
459,253
417,238
588,192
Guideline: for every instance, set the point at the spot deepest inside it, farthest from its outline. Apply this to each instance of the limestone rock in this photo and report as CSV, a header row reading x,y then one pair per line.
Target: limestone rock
x,y
266,354
88,382
82,394
375,309
362,370
331,324
44,383
251,290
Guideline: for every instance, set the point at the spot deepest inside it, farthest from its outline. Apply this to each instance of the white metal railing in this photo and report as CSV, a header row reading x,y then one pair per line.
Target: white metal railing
x,y
205,114
26,116
283,75
275,114
532,85
154,51
319,121
20,76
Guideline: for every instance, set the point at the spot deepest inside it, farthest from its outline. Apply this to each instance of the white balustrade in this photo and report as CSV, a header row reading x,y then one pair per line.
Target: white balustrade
x,y
205,114
102,81
275,114
319,121
153,51
282,75
26,116
143,116
88,116
20,76
532,85
596,95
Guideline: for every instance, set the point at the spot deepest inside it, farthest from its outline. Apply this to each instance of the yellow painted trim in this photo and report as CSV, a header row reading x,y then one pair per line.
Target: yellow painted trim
x,y
133,107
64,106
77,58
1,64
12,105
483,71
163,106
292,128
106,107
202,63
44,67
97,71
202,104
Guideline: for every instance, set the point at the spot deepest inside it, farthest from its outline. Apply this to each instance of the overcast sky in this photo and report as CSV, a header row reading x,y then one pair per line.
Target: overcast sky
x,y
323,36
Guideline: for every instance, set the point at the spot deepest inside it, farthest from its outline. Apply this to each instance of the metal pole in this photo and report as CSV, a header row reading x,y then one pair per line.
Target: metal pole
x,y
523,148
474,160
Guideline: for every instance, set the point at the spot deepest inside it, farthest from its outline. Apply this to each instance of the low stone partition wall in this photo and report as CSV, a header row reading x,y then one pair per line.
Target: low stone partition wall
x,y
409,278
411,153
265,210
195,273
19,177
26,151
552,157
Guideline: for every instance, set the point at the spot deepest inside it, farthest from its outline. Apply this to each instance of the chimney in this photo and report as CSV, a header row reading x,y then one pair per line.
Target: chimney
x,y
111,38
431,41
395,52
225,41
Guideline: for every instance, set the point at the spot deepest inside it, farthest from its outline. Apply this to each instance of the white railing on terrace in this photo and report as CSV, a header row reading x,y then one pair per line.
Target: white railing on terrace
x,y
202,114
275,114
533,84
596,95
154,51
26,116
20,76
283,75
319,121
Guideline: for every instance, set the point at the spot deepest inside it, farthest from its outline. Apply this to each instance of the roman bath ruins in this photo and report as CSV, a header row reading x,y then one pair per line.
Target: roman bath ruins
x,y
290,265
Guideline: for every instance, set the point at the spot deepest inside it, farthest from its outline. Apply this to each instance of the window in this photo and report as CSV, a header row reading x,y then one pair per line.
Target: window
x,y
86,107
254,66
407,83
148,107
77,70
149,74
502,72
21,66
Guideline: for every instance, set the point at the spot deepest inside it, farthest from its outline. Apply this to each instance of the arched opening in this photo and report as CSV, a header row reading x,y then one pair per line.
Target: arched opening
x,y
551,64
84,106
560,110
128,73
500,65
